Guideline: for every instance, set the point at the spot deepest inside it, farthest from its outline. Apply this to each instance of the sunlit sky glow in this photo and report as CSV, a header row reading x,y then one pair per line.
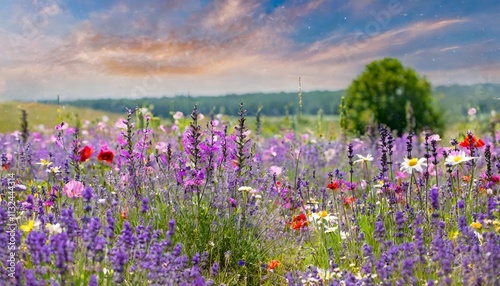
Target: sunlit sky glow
x,y
129,48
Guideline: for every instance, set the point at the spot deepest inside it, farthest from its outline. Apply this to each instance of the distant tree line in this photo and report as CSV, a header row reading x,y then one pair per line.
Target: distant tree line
x,y
273,104
455,100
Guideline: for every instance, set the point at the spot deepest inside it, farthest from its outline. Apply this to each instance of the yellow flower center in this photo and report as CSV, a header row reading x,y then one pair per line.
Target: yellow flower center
x,y
476,225
412,162
322,213
457,159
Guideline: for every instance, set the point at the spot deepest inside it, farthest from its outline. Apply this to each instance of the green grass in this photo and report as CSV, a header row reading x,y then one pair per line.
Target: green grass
x,y
46,114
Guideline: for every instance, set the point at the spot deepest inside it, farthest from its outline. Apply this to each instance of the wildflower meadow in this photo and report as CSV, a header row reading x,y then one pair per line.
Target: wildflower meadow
x,y
208,201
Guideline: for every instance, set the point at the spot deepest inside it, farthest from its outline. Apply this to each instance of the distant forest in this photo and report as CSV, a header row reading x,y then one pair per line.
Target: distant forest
x,y
455,100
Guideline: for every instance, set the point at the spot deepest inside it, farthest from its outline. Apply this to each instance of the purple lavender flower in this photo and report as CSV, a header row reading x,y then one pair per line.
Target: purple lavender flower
x,y
214,270
127,238
69,222
145,205
379,232
93,281
400,224
434,197
31,278
119,260
109,231
62,248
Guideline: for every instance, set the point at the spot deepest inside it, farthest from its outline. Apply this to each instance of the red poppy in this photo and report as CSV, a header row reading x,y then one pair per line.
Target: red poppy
x,y
273,264
106,155
477,142
299,221
334,185
495,179
278,184
349,201
85,153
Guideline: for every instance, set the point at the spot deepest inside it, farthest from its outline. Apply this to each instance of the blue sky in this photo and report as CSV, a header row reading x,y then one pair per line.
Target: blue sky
x,y
128,48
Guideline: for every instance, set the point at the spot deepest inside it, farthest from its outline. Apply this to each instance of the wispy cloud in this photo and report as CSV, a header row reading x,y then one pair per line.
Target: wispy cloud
x,y
226,46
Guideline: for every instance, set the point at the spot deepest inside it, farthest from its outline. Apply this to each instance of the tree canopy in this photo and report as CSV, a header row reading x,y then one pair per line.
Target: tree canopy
x,y
390,94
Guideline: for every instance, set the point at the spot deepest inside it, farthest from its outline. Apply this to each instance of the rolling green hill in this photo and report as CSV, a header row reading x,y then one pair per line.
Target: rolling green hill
x,y
45,114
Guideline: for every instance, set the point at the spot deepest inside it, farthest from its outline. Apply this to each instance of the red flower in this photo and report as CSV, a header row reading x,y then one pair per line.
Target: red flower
x,y
349,201
273,264
477,142
85,153
106,155
334,185
495,179
299,221
234,163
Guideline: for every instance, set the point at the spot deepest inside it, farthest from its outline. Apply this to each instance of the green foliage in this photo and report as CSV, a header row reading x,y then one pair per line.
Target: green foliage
x,y
384,93
271,103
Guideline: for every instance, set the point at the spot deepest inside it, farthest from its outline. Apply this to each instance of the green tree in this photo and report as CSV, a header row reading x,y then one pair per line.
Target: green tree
x,y
388,93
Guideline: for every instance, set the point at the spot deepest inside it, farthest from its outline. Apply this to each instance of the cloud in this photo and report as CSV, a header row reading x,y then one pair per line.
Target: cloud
x,y
226,46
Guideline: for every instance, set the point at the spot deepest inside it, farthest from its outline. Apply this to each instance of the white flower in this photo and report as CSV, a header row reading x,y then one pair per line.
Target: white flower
x,y
257,197
54,170
330,154
105,271
379,184
245,189
456,157
101,201
363,159
178,115
322,215
325,274
331,229
37,224
344,235
53,228
413,164
44,162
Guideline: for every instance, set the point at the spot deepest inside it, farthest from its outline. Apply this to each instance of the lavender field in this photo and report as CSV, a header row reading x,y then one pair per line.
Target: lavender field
x,y
209,202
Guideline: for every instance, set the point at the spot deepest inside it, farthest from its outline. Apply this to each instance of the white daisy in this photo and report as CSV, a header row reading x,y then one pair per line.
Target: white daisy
x,y
363,159
54,170
456,157
413,164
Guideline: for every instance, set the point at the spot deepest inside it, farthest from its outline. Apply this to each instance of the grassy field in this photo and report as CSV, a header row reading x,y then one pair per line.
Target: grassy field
x,y
45,114
48,115
326,126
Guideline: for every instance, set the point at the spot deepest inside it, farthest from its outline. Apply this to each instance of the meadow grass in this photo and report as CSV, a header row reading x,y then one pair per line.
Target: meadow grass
x,y
47,115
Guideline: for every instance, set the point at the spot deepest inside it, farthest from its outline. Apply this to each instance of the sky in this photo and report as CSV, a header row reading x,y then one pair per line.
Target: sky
x,y
130,49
